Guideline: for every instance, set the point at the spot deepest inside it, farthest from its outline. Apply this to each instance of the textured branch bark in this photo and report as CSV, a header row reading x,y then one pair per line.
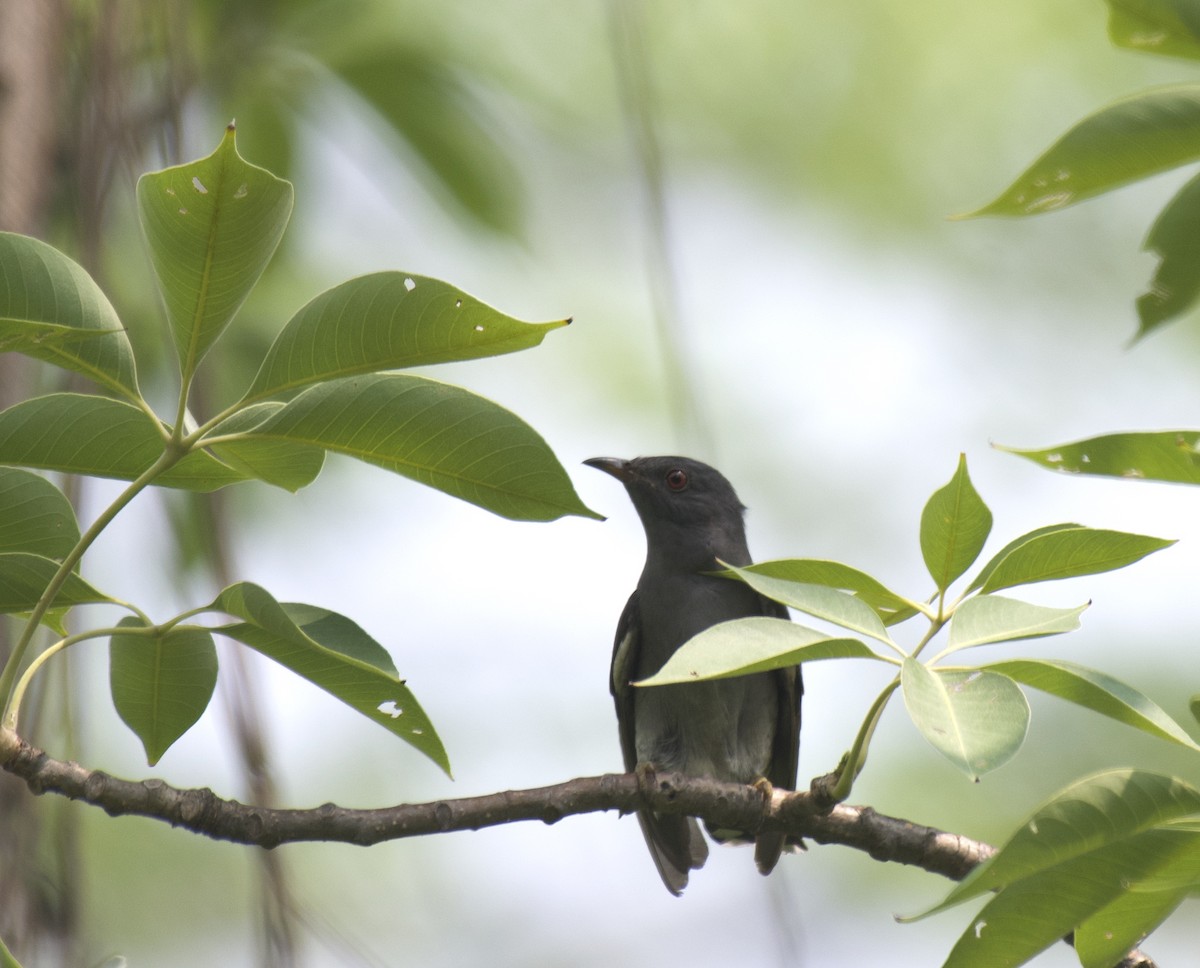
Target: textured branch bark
x,y
730,805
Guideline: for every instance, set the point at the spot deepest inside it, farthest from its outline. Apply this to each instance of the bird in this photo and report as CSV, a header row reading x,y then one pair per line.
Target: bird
x,y
744,729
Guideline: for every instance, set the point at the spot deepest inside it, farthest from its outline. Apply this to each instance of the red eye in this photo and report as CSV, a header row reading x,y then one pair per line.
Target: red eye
x,y
677,480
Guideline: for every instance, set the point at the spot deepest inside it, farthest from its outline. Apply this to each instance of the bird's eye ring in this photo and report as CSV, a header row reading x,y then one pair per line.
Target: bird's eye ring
x,y
677,479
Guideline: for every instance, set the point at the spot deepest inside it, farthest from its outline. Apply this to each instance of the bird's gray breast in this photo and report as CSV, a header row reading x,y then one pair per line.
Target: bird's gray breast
x,y
722,729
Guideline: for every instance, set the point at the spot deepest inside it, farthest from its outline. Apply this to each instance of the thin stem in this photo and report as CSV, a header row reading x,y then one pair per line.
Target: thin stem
x,y
935,626
6,957
856,759
168,458
18,693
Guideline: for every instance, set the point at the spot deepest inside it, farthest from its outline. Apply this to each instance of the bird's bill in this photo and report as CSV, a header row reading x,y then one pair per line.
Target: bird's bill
x,y
616,466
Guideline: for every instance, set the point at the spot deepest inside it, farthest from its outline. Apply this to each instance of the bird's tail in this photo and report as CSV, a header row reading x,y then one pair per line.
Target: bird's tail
x,y
677,846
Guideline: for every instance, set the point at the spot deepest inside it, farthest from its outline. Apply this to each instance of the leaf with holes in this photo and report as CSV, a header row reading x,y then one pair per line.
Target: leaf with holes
x,y
332,652
1093,848
211,227
387,321
1130,139
1165,455
1169,27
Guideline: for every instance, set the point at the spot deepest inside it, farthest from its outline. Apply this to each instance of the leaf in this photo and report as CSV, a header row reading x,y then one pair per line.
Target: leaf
x,y
439,435
52,310
212,226
1110,932
332,652
24,577
1031,915
1131,139
1085,817
387,321
746,645
1168,455
833,574
1066,551
1086,849
1176,282
35,516
986,573
1170,27
993,618
820,601
279,462
85,434
954,526
426,103
1096,691
161,682
977,720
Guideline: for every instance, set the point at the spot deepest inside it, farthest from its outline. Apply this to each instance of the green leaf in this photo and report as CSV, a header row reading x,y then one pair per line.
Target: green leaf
x,y
387,321
1087,816
887,604
211,226
1096,691
1117,927
1169,27
1087,848
985,574
24,577
819,601
1176,281
746,645
1194,707
52,310
1065,551
426,103
1131,139
993,618
161,682
1033,914
332,652
35,516
440,435
84,434
977,720
279,462
954,526
1167,455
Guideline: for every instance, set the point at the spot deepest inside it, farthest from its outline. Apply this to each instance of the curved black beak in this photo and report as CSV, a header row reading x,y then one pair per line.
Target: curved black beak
x,y
616,466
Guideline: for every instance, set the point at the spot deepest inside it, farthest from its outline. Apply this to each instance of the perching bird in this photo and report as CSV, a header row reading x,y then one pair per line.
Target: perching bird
x,y
744,729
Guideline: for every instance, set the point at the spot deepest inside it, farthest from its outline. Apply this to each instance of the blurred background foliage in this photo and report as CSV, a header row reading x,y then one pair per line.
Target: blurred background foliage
x,y
744,207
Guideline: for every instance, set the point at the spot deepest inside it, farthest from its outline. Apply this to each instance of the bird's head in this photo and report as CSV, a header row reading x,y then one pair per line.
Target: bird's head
x,y
684,505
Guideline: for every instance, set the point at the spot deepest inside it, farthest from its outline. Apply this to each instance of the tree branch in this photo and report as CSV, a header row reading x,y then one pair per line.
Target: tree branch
x,y
728,805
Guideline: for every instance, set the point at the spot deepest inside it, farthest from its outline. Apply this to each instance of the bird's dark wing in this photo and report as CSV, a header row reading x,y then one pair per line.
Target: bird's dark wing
x,y
621,673
675,842
785,751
